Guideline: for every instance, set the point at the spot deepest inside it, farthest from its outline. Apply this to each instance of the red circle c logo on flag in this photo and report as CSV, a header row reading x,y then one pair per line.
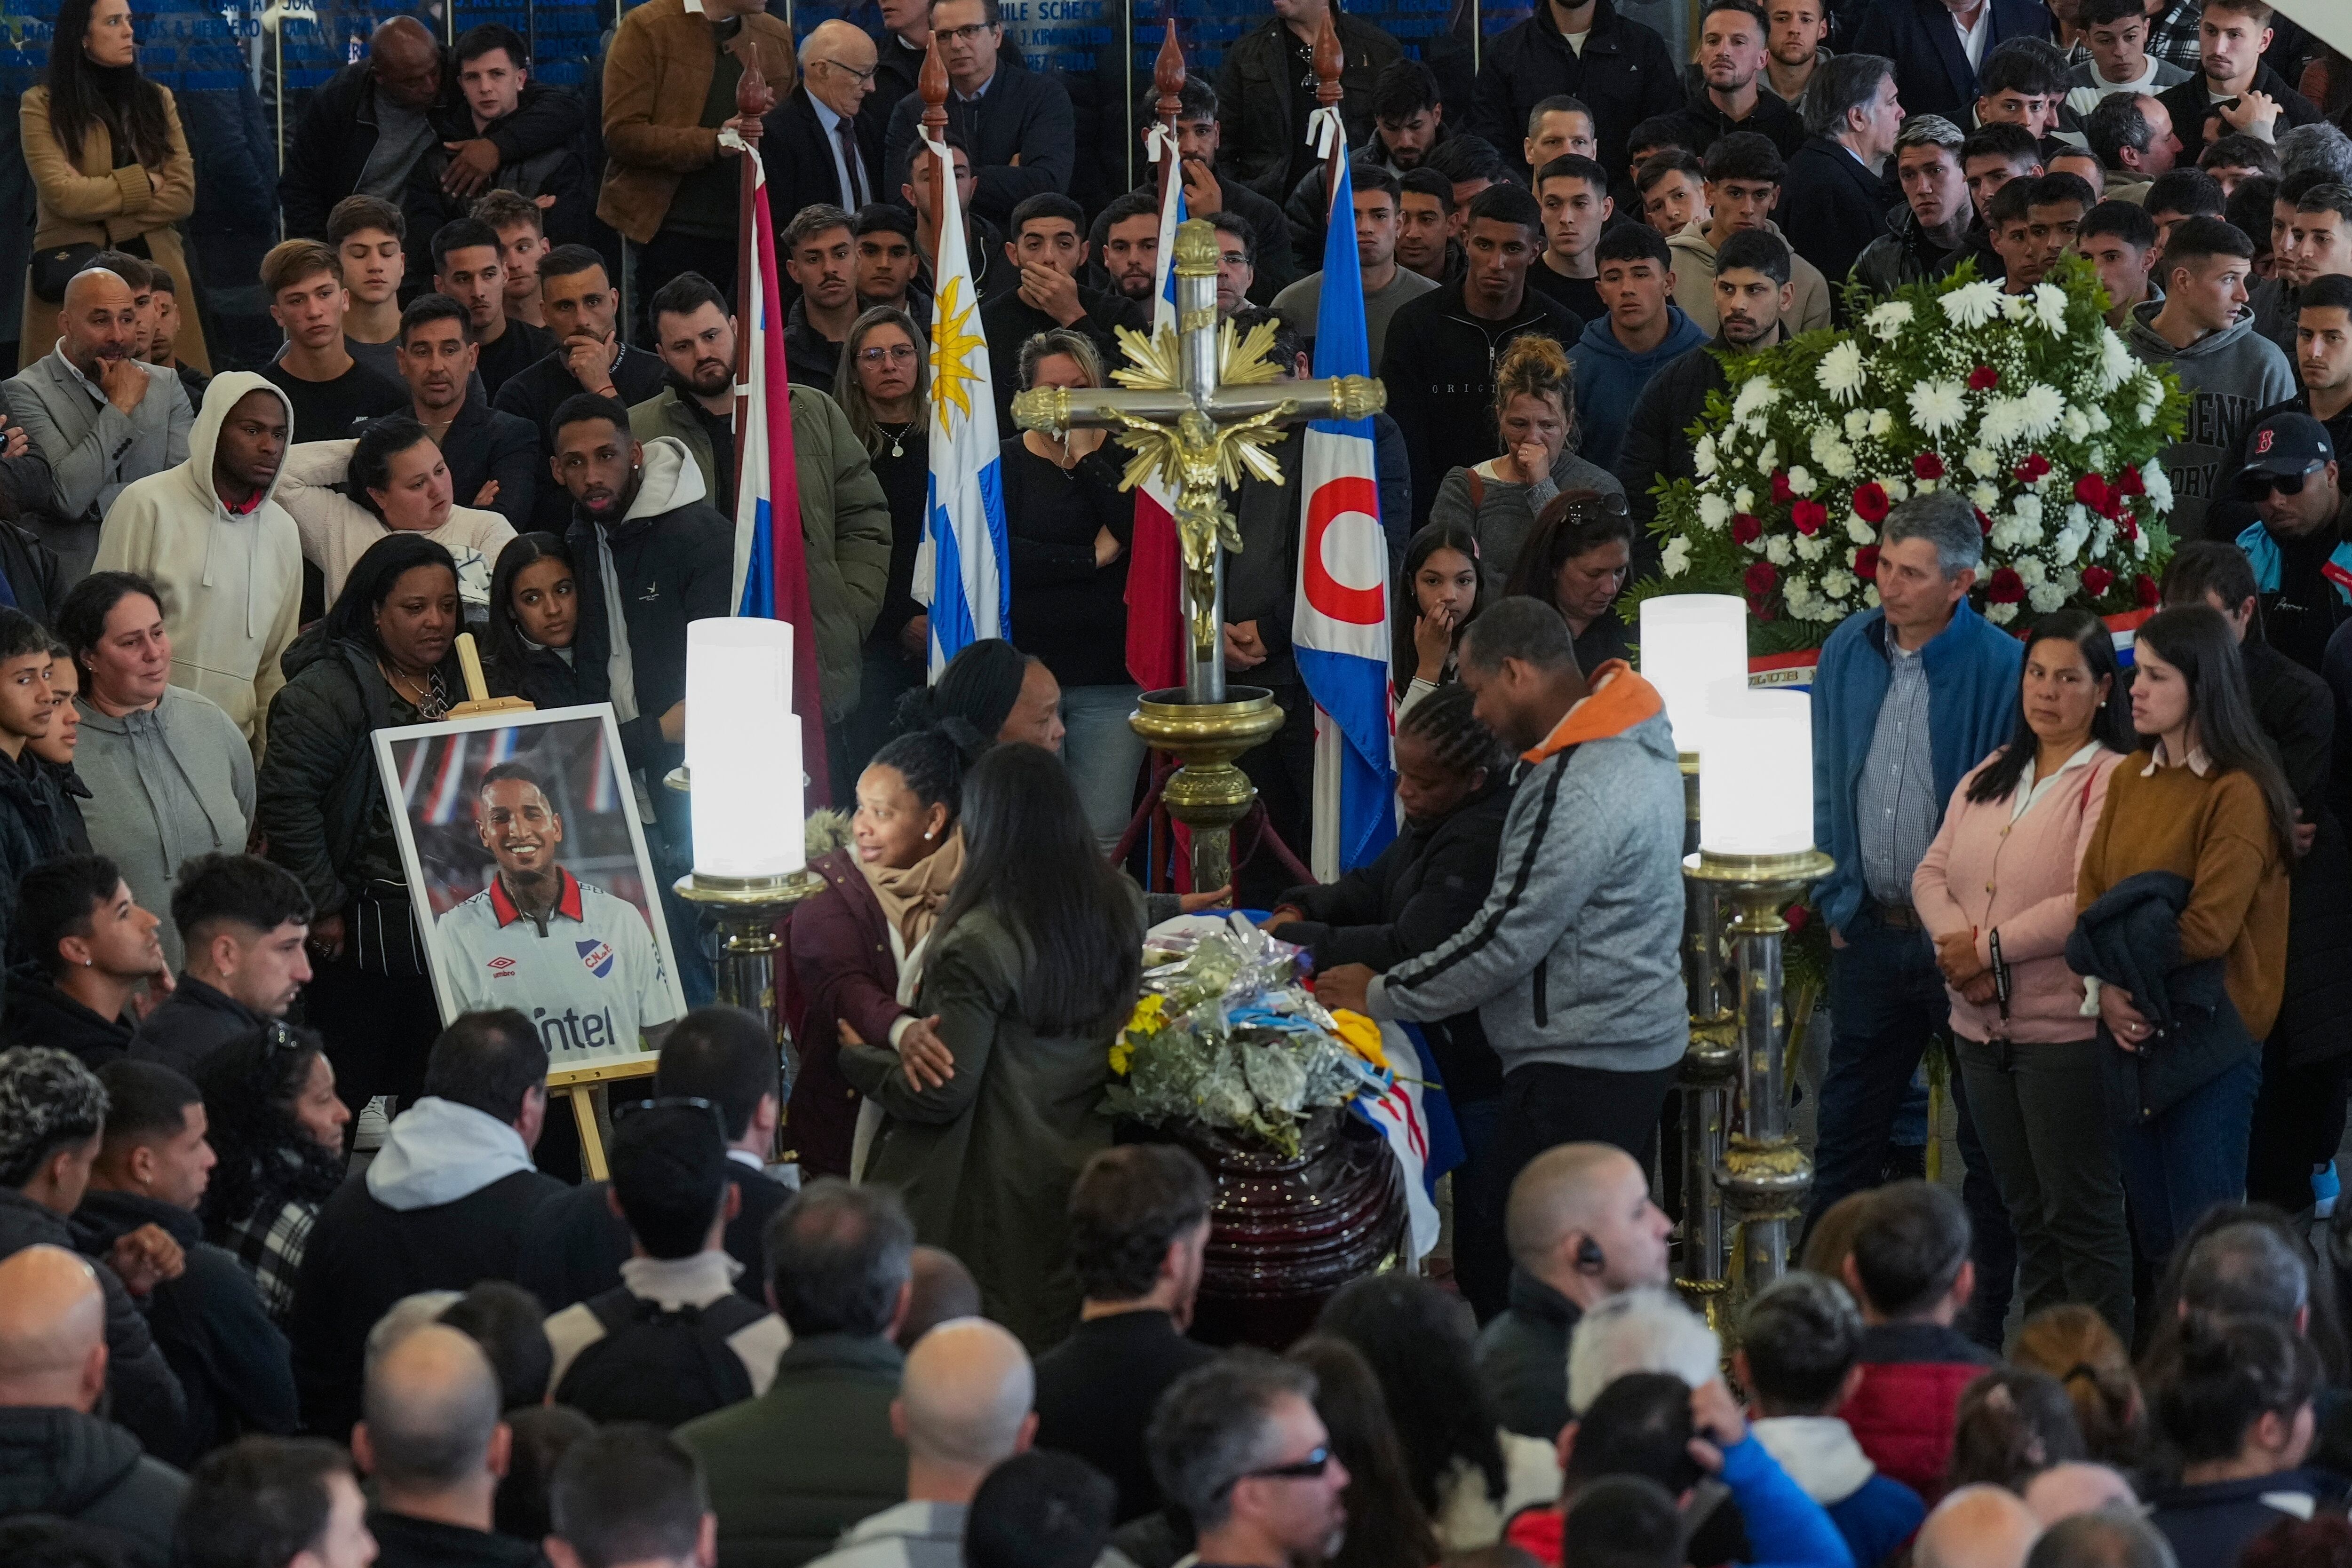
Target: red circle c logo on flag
x,y
1334,498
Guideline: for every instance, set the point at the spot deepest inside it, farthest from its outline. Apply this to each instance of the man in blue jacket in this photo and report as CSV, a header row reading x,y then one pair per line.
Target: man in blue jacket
x,y
1907,698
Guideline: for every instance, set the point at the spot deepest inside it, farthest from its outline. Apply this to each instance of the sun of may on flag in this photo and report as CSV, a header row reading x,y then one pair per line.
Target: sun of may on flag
x,y
1339,631
964,572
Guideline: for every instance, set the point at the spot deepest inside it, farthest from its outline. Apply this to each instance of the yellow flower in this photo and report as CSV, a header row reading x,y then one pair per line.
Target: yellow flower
x,y
1122,1054
1362,1036
1149,1017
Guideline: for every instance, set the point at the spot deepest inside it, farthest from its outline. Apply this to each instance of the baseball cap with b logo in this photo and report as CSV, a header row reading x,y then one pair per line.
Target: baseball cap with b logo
x,y
2281,452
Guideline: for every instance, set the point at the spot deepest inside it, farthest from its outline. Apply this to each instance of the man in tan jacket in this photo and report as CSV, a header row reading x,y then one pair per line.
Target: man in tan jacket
x,y
669,93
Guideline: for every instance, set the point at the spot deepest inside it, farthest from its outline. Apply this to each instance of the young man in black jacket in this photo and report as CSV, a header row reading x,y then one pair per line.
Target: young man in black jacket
x,y
1621,69
243,922
1048,248
152,1169
445,1203
1927,235
2234,90
492,68
1265,92
1731,62
584,312
1439,365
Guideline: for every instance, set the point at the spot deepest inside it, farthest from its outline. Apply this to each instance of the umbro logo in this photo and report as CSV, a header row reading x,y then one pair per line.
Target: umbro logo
x,y
502,968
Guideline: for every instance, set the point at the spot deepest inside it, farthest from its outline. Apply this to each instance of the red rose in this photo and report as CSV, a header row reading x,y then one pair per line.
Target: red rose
x,y
1808,517
1746,528
1983,521
1798,916
1866,562
2128,482
2127,525
2032,468
1984,378
1870,503
2092,491
2006,587
1927,465
1781,493
1761,578
2097,579
2146,592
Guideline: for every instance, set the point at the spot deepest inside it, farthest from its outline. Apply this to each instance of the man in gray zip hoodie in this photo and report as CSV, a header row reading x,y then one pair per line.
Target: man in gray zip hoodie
x,y
2202,329
1573,962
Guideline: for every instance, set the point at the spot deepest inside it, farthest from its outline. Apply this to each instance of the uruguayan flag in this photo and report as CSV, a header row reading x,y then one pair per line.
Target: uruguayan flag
x,y
963,573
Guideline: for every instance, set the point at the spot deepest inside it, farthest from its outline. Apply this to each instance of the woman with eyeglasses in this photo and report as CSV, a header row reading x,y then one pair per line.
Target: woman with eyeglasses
x,y
1577,561
381,659
1030,972
276,1126
1070,527
857,947
1501,500
2203,805
883,386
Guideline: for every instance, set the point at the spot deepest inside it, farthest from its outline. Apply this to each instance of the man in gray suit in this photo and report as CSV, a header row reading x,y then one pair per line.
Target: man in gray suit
x,y
98,416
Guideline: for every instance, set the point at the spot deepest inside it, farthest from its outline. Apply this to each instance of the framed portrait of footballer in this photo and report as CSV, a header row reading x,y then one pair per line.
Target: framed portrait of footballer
x,y
519,834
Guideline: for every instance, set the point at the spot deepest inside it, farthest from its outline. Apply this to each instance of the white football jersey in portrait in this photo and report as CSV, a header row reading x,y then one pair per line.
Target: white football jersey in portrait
x,y
592,981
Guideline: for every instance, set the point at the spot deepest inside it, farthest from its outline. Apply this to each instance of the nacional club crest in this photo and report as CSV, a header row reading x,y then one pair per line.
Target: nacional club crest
x,y
597,955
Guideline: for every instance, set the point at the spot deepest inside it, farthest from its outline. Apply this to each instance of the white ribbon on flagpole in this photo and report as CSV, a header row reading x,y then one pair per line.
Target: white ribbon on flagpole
x,y
1157,137
1326,130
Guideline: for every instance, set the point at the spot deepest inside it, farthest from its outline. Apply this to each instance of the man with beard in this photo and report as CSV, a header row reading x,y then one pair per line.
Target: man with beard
x,y
1239,1449
493,456
1126,240
577,961
1408,120
696,339
1048,246
469,267
1752,290
582,310
1731,61
1208,191
96,415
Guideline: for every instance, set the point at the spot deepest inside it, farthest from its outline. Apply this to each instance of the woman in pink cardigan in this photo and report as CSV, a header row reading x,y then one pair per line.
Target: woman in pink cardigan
x,y
1996,892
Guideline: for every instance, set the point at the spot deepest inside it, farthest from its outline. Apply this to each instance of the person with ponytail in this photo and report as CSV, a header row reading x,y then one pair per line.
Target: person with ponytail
x,y
857,948
1030,972
110,169
2233,1400
2074,1345
1454,782
1497,501
2203,802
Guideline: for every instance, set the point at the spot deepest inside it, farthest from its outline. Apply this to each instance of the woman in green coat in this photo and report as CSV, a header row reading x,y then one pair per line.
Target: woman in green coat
x,y
1030,973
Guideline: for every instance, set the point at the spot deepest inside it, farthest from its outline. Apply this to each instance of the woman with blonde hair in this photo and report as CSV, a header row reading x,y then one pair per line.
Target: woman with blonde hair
x,y
110,168
1499,499
883,387
2075,1345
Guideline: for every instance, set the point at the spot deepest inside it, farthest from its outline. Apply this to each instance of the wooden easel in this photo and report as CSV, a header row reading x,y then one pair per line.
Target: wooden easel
x,y
477,691
580,1083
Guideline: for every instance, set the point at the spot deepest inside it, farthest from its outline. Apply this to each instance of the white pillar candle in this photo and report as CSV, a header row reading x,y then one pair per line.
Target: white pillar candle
x,y
743,747
1690,642
1756,772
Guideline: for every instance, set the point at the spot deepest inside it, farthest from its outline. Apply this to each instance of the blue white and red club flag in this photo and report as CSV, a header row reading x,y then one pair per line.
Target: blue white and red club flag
x,y
771,562
1155,566
963,573
1341,629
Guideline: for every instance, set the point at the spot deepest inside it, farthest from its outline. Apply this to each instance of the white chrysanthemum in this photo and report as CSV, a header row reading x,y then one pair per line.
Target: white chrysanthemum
x,y
1756,393
1896,490
2115,360
1703,456
2003,421
1836,461
2050,308
1889,318
1755,424
1980,463
2027,509
1768,457
2159,486
2041,408
2045,597
1777,550
1675,559
1838,584
1801,480
1839,371
2076,425
2016,308
2001,614
1939,405
1714,511
2031,569
1972,305
1882,423
1857,423
1860,532
1743,500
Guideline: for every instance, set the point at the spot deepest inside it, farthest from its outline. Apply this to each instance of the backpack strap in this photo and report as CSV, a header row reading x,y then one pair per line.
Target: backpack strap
x,y
1478,487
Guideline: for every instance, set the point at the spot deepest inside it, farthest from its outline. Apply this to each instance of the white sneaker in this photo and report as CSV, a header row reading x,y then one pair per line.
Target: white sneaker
x,y
375,1123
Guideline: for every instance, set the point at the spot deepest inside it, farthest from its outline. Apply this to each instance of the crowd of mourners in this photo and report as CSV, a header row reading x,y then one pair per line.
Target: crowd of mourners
x,y
294,1270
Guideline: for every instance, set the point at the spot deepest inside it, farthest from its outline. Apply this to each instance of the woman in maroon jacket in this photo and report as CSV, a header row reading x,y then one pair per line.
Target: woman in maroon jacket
x,y
857,946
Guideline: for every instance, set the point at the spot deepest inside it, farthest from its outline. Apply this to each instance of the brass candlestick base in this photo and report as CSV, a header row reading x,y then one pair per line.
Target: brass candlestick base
x,y
1208,794
1765,1176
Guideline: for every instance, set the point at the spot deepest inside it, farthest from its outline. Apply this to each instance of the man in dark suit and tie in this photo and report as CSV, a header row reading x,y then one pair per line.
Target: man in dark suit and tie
x,y
826,151
1938,45
1834,197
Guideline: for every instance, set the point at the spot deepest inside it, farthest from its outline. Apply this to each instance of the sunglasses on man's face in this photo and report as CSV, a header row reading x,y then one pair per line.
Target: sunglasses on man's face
x,y
2256,486
1313,1466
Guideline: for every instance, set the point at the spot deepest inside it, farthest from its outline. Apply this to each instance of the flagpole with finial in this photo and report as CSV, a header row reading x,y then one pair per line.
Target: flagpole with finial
x,y
1168,77
1331,61
932,83
754,97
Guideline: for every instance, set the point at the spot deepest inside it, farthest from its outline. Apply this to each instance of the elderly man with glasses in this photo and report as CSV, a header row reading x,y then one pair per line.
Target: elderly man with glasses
x,y
1017,123
824,144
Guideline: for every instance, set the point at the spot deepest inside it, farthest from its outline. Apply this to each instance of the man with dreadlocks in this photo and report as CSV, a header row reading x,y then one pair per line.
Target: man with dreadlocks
x,y
1452,780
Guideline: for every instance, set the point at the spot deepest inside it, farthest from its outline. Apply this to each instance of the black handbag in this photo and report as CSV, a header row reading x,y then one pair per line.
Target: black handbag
x,y
54,267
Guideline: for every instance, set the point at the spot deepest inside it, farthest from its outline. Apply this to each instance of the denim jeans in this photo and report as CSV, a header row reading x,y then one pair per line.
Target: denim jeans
x,y
1886,1000
1104,755
2180,1164
2042,1111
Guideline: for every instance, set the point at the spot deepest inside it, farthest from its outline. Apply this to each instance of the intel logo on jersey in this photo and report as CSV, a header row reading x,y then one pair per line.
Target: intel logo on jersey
x,y
573,1030
597,955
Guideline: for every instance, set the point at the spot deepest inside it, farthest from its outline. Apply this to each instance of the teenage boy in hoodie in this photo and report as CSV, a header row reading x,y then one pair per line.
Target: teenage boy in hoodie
x,y
1573,971
152,1169
225,555
1742,187
1643,331
445,1203
2203,332
1800,1358
1439,365
1911,1271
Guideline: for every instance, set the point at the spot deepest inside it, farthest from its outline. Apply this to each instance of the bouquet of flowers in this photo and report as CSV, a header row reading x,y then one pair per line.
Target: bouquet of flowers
x,y
1224,1034
2029,405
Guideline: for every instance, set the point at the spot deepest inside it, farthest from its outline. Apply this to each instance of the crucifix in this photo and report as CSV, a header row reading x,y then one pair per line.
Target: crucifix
x,y
1198,406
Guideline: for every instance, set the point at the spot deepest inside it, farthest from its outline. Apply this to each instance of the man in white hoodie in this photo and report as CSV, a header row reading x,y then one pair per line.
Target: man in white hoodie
x,y
445,1205
225,556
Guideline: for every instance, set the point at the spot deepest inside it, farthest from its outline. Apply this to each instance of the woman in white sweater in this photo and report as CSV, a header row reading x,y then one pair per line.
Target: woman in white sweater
x,y
346,494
